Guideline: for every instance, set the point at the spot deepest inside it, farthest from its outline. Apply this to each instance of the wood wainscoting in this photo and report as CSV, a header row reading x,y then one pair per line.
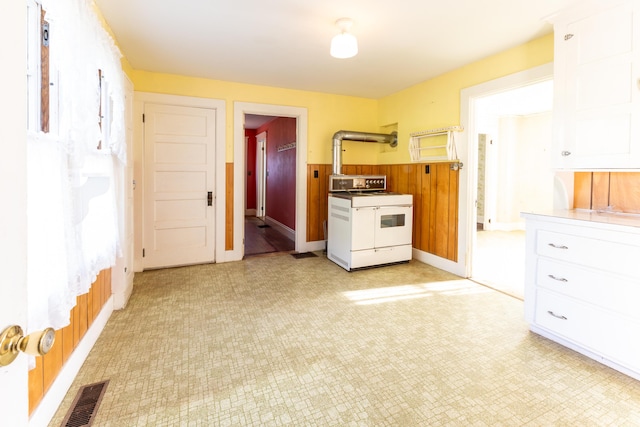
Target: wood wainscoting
x,y
434,187
82,316
598,190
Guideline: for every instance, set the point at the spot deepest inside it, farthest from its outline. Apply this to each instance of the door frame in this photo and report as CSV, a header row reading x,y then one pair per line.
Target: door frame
x,y
240,109
261,175
468,153
142,98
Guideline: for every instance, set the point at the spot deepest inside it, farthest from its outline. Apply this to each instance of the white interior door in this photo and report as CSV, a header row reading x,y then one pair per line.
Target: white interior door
x,y
261,174
179,163
14,401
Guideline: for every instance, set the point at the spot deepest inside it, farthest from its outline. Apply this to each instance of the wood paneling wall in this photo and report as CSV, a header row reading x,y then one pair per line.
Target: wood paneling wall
x,y
434,188
82,316
598,190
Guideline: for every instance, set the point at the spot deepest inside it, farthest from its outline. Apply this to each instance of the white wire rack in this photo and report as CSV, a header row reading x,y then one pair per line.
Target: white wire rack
x,y
422,149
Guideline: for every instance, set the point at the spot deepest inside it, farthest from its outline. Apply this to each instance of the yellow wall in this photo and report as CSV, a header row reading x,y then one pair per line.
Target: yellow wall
x,y
436,103
431,104
327,113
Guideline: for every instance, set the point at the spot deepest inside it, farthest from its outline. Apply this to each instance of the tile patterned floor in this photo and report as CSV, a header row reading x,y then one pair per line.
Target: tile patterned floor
x,y
274,341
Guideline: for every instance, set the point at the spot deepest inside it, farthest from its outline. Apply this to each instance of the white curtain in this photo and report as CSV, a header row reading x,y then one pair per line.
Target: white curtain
x,y
72,208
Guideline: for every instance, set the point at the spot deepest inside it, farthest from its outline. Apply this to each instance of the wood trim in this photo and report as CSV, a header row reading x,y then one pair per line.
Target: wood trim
x,y
36,384
624,192
44,78
600,190
67,339
582,183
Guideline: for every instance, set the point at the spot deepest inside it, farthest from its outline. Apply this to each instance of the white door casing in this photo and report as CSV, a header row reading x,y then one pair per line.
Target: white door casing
x,y
179,145
122,272
468,153
261,174
240,109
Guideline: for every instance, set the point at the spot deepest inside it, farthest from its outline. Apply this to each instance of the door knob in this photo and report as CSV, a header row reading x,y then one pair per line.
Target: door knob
x,y
13,341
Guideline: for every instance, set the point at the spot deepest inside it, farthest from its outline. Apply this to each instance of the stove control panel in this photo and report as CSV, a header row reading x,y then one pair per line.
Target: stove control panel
x,y
357,182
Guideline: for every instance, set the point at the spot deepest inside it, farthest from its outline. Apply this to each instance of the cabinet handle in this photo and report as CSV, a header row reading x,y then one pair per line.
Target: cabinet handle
x,y
559,279
565,153
568,36
557,316
553,245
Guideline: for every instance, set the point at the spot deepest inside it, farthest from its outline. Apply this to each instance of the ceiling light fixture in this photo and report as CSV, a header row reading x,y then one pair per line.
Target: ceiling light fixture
x,y
344,45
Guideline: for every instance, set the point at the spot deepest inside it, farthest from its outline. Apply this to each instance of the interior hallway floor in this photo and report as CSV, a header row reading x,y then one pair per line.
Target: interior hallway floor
x,y
260,238
272,341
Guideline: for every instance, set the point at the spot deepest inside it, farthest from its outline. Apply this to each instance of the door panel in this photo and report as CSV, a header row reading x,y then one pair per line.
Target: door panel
x,y
179,172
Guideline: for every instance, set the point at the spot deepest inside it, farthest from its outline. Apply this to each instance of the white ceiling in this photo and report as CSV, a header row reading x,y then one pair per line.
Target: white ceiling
x,y
285,43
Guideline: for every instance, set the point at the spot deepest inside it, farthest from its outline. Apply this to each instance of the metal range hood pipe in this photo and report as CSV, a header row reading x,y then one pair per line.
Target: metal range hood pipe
x,y
347,135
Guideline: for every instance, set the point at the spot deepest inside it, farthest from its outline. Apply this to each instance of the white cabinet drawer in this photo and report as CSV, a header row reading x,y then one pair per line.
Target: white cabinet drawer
x,y
619,258
569,318
616,293
613,336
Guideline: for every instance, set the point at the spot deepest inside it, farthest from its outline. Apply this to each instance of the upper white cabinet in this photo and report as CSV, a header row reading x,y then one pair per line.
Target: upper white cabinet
x,y
597,86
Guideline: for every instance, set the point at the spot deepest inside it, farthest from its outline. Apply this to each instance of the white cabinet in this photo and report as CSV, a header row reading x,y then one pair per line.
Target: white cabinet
x,y
582,284
597,86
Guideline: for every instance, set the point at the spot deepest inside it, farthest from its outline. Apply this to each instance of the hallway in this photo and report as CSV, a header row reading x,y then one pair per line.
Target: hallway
x,y
273,341
260,238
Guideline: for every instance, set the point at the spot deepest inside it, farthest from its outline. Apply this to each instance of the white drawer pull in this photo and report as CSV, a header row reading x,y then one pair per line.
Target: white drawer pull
x,y
559,279
556,316
553,245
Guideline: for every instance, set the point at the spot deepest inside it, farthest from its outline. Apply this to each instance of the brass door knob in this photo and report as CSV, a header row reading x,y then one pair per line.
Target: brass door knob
x,y
13,341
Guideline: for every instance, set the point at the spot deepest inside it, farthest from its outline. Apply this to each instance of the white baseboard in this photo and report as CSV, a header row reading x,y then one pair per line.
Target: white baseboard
x,y
291,234
438,262
47,408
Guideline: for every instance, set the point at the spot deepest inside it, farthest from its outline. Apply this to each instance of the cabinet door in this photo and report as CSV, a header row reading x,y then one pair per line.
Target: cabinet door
x,y
596,88
363,223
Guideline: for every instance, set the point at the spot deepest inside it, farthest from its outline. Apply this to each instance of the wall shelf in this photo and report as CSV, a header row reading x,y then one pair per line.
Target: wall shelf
x,y
422,148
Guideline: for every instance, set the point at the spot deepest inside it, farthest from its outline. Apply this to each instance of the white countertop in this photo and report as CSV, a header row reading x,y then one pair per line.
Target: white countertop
x,y
591,216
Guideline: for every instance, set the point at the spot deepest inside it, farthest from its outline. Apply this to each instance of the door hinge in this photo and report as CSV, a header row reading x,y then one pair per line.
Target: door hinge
x,y
143,118
143,253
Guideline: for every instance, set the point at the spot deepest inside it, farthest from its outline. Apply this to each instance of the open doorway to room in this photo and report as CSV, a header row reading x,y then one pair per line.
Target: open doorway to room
x,y
270,184
513,139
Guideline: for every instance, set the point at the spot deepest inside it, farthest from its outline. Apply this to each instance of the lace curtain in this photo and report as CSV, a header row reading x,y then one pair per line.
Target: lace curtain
x,y
72,237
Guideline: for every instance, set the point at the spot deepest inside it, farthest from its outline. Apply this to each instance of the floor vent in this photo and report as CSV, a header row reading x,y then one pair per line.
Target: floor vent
x,y
85,406
304,255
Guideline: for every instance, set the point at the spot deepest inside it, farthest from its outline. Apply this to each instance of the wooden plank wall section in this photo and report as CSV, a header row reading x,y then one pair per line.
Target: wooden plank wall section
x,y
598,190
434,187
82,316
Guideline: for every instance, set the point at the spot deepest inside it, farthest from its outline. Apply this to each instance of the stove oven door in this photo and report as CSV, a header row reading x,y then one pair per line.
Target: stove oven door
x,y
393,226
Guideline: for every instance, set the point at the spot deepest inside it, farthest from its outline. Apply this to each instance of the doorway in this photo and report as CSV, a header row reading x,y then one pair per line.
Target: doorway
x,y
508,138
514,175
241,109
269,158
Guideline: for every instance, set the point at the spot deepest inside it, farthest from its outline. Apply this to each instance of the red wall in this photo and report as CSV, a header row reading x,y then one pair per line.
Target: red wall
x,y
251,168
281,169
